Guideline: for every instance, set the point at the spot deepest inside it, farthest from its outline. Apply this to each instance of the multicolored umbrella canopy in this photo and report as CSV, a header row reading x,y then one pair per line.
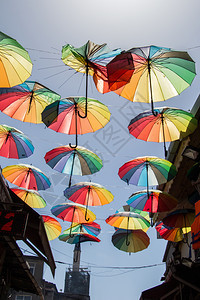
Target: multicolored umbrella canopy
x,y
128,220
72,212
90,59
73,161
160,73
91,228
78,237
152,201
147,171
26,101
14,144
165,125
180,218
128,208
52,227
170,233
138,240
30,197
89,194
15,62
26,176
63,116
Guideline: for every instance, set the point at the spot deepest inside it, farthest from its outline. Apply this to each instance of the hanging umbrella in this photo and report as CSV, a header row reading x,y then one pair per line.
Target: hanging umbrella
x,y
74,213
115,74
30,197
89,59
63,116
152,201
13,143
180,218
160,73
78,237
166,125
128,220
52,227
147,171
89,194
91,228
78,161
170,233
26,101
128,208
138,240
26,176
15,63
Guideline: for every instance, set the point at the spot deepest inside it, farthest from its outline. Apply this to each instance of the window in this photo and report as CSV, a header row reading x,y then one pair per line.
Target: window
x,y
23,297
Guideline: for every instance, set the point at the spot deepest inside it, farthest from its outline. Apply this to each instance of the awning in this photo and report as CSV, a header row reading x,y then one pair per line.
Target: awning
x,y
19,272
35,235
161,291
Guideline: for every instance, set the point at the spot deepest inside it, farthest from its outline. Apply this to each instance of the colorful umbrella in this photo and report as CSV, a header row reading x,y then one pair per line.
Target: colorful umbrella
x,y
63,116
13,143
26,176
166,125
78,161
170,233
180,218
26,101
128,220
89,194
127,208
30,197
74,213
52,227
91,228
76,238
15,63
89,59
152,201
138,240
147,171
160,73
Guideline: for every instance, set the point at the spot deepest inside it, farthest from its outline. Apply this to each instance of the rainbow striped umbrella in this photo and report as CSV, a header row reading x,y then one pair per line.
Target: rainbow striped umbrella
x,y
77,238
15,62
160,73
180,218
138,240
91,228
89,194
64,116
152,201
13,143
147,171
26,101
73,161
26,176
52,227
165,125
170,233
90,59
30,197
72,212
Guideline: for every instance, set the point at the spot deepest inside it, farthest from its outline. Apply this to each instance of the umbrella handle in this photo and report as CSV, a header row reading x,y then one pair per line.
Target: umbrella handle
x,y
70,233
76,113
85,116
127,241
155,113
